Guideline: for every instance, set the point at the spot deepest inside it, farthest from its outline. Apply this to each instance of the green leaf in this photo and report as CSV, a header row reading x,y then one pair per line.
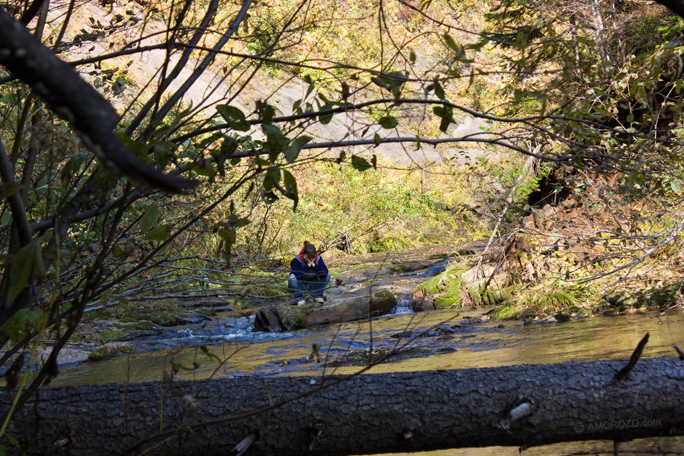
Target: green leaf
x,y
206,168
233,117
447,115
450,42
7,190
425,4
208,140
71,167
229,146
388,122
311,86
269,197
377,139
457,48
291,188
359,163
163,151
22,267
295,148
269,183
275,141
229,235
13,440
238,222
105,296
325,118
269,112
225,152
17,326
412,57
150,217
392,81
160,233
439,90
274,174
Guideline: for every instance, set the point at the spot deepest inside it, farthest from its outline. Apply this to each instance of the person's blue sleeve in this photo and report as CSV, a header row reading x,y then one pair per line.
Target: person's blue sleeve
x,y
321,268
298,269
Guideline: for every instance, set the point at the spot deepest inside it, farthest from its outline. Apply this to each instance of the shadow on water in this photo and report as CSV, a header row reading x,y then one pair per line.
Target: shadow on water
x,y
450,339
435,340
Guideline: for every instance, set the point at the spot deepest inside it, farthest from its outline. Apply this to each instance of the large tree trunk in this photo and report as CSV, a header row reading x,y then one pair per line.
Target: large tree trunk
x,y
410,411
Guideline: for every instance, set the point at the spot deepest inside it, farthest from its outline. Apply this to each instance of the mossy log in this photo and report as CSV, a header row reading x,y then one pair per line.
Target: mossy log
x,y
346,307
363,414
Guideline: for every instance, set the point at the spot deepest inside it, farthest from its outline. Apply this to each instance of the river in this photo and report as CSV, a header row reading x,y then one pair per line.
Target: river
x,y
433,340
449,339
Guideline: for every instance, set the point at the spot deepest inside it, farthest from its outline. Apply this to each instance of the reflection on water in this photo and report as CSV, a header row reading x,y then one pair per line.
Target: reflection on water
x,y
661,446
467,341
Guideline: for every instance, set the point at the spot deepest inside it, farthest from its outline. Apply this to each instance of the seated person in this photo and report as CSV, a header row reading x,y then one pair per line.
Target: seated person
x,y
308,273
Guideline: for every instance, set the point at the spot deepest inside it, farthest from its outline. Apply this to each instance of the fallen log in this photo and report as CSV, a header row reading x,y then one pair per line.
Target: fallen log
x,y
362,414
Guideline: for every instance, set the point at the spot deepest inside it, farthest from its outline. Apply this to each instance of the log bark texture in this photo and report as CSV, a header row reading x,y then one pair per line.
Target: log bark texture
x,y
365,414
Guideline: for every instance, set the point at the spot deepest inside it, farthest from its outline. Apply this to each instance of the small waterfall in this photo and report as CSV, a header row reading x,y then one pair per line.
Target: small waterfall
x,y
404,305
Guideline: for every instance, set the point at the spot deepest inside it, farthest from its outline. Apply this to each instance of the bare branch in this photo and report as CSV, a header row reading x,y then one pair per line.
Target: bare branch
x,y
75,101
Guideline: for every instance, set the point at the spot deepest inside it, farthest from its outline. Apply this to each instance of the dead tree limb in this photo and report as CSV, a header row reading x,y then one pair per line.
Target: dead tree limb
x,y
75,101
365,414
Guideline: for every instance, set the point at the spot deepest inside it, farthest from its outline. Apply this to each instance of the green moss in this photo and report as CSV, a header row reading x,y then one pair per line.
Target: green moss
x,y
491,296
446,286
138,325
107,352
382,302
506,312
292,317
552,302
451,298
541,300
207,312
387,244
113,334
162,317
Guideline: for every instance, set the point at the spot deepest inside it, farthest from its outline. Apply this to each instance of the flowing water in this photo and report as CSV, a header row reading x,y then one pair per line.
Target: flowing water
x,y
432,340
450,339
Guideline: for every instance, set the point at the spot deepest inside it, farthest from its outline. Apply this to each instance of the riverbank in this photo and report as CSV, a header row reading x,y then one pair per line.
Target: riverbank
x,y
148,325
425,279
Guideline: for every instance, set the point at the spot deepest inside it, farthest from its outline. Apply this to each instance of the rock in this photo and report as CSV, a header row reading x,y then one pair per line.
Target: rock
x,y
268,320
293,317
193,318
562,317
421,302
472,280
382,302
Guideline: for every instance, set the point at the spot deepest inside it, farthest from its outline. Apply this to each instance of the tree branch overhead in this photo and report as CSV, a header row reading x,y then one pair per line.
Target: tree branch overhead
x,y
76,102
